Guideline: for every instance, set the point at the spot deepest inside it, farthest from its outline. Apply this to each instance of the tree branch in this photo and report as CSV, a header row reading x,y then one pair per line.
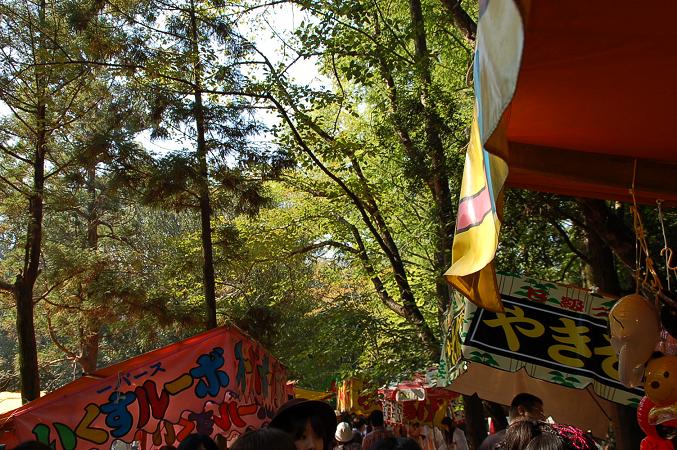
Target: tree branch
x,y
56,341
381,290
567,240
5,286
461,19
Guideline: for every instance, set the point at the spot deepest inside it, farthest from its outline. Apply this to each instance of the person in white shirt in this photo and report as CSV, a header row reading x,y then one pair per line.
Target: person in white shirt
x,y
454,437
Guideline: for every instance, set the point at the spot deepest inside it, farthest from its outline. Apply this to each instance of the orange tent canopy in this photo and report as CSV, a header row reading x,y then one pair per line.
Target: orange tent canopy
x,y
595,94
575,98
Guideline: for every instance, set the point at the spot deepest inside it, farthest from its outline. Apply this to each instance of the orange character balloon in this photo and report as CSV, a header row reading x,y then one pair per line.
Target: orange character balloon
x,y
661,380
635,331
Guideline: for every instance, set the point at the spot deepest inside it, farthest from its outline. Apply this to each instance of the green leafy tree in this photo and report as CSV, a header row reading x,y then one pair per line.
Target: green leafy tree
x,y
43,93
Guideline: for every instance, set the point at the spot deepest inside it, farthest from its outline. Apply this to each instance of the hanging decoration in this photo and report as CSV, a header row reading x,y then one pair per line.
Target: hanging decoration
x,y
643,327
635,332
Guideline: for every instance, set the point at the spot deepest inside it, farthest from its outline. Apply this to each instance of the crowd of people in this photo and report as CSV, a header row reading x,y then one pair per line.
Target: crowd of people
x,y
312,425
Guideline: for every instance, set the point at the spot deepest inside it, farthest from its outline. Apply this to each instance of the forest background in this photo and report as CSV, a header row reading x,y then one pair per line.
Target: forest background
x,y
166,167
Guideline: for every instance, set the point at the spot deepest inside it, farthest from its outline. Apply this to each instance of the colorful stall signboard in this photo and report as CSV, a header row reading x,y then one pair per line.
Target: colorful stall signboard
x,y
557,333
415,401
352,396
219,383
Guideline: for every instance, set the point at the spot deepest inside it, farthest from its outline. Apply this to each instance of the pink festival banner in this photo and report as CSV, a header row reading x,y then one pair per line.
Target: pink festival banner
x,y
219,383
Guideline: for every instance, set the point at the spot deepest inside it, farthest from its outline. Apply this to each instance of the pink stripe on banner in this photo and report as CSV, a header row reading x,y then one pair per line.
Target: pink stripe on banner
x,y
472,210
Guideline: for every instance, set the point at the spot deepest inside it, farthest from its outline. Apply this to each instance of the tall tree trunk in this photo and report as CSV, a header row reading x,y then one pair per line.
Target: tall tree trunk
x,y
209,282
90,331
438,183
28,354
25,282
604,275
437,179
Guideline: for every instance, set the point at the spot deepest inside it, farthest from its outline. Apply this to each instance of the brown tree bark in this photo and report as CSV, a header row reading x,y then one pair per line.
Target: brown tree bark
x,y
461,19
610,228
25,281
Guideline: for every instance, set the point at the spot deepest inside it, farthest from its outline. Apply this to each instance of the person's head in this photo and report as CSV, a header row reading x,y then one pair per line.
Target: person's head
x,y
526,406
393,443
376,418
448,428
521,432
310,423
344,433
265,438
197,442
33,445
414,429
546,441
537,435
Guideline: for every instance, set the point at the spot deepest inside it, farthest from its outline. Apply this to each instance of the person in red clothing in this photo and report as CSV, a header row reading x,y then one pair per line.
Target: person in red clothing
x,y
378,433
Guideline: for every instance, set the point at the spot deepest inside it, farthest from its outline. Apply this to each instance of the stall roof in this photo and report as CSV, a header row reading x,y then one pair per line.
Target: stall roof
x,y
594,93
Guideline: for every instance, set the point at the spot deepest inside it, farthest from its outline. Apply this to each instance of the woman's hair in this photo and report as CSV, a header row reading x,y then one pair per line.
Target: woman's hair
x,y
296,427
535,435
197,442
265,438
393,443
547,441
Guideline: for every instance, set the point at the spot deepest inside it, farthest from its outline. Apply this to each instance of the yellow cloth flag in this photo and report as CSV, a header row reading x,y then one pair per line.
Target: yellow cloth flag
x,y
477,225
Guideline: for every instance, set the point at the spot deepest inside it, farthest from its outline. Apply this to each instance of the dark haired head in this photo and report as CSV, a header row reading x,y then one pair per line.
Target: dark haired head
x,y
376,418
448,431
393,443
520,433
293,416
535,435
197,442
547,441
524,404
32,445
265,438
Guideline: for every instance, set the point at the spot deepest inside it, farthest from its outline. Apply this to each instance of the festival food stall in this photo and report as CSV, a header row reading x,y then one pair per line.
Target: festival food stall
x,y
219,383
562,106
551,341
416,401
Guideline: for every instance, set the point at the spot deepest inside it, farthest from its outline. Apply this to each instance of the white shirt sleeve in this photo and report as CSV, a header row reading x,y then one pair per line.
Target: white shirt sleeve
x,y
459,440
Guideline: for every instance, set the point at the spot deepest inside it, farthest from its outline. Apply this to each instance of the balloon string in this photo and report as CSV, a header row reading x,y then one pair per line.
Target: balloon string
x,y
650,278
665,250
594,398
634,219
